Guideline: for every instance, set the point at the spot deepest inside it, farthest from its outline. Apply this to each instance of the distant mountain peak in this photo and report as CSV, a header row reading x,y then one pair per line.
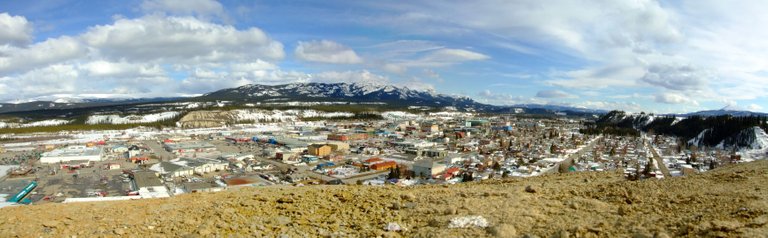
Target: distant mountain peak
x,y
365,91
732,107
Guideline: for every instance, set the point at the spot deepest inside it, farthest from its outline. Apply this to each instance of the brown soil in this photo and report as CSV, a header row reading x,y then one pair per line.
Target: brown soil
x,y
728,202
238,181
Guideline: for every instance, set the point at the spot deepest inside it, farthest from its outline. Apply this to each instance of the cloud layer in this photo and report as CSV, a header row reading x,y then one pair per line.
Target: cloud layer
x,y
646,54
326,51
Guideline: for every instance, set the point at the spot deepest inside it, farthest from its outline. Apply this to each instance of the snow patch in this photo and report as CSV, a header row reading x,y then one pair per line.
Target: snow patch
x,y
449,115
4,169
398,115
468,222
130,119
283,116
759,146
51,122
697,140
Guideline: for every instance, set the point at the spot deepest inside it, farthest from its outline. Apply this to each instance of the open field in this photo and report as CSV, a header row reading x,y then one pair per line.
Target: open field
x,y
727,202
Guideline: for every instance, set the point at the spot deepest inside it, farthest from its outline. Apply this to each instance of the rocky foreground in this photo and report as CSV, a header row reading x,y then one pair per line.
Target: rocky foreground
x,y
728,202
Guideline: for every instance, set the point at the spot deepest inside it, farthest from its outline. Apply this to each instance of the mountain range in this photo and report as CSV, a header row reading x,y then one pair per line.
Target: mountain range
x,y
369,94
387,96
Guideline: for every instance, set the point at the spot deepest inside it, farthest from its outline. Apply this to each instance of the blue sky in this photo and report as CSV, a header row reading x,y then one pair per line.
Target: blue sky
x,y
639,55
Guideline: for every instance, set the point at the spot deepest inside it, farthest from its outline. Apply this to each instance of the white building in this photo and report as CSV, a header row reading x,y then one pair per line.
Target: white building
x,y
427,167
187,167
72,153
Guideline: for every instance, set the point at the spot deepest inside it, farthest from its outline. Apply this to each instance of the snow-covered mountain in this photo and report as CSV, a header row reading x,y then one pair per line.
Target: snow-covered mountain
x,y
349,92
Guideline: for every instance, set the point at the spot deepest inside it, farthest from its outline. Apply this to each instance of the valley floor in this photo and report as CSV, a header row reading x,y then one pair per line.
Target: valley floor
x,y
727,202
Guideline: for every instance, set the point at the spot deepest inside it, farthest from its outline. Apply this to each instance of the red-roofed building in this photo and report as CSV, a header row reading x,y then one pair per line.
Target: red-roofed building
x,y
374,160
450,173
384,165
140,160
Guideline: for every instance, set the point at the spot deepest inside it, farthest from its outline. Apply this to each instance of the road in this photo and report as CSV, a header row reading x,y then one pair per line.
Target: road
x,y
354,179
569,161
159,151
659,161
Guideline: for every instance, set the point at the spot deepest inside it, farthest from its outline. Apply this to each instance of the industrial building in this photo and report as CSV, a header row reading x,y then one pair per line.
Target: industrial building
x,y
72,153
428,167
319,150
182,148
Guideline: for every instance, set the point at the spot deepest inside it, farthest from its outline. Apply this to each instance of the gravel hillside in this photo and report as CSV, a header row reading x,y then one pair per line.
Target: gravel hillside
x,y
727,202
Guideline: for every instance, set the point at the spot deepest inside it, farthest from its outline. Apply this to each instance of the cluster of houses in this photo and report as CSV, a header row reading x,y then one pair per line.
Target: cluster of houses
x,y
444,148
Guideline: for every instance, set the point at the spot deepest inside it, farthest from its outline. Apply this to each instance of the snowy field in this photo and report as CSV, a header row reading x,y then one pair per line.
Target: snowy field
x,y
398,115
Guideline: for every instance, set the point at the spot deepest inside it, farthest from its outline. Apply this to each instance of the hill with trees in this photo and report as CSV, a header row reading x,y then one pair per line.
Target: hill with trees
x,y
725,130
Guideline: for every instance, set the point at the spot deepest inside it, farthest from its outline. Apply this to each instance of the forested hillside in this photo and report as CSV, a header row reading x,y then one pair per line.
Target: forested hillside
x,y
722,130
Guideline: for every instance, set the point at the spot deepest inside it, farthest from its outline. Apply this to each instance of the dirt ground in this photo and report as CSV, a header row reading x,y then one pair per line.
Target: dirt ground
x,y
727,202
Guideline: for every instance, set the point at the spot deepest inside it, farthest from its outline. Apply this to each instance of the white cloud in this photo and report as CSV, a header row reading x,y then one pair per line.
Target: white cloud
x,y
326,51
101,68
404,48
200,8
58,78
454,55
486,96
629,106
137,57
595,26
620,75
754,107
435,58
674,98
14,30
432,74
253,66
361,76
180,40
679,78
51,51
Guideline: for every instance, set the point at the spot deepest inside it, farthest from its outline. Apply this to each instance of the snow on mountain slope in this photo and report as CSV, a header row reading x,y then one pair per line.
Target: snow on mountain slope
x,y
761,138
759,146
637,121
282,116
698,139
130,119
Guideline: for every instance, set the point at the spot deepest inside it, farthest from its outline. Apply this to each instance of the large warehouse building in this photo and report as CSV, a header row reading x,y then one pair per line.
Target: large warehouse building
x,y
72,153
